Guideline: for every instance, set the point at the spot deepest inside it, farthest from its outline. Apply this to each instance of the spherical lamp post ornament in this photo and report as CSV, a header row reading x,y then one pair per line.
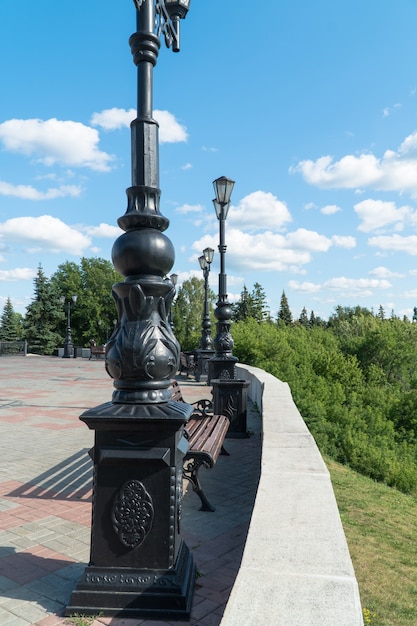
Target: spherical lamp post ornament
x,y
139,566
222,365
205,350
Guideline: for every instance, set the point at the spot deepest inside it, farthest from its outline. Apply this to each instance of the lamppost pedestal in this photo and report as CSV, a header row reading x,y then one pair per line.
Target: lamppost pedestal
x,y
230,398
203,363
139,565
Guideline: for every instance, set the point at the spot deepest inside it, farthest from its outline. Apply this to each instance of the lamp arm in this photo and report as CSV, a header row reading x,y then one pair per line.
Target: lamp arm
x,y
169,27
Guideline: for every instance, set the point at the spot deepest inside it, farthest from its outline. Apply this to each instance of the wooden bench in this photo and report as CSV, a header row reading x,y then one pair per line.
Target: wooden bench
x,y
97,351
205,433
187,363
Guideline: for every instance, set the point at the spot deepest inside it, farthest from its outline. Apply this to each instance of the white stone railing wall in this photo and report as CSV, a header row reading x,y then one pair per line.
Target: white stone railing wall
x,y
296,568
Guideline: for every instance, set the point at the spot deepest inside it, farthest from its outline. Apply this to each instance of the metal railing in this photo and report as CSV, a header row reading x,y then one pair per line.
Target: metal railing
x,y
14,348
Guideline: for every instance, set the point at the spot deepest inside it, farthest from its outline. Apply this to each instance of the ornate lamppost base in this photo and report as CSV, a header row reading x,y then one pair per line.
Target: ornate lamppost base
x,y
139,565
230,399
130,592
203,362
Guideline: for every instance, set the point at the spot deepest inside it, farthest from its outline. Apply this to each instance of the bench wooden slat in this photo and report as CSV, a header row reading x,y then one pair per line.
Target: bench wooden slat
x,y
205,433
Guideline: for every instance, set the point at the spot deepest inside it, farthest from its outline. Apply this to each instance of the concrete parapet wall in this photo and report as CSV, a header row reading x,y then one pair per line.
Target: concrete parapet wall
x,y
296,568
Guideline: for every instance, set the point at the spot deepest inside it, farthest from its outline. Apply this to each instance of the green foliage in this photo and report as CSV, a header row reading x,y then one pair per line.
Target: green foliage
x,y
43,316
11,323
93,315
187,313
284,312
354,383
251,304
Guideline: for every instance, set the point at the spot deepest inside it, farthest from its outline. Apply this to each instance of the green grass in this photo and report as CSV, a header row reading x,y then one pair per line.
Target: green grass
x,y
380,524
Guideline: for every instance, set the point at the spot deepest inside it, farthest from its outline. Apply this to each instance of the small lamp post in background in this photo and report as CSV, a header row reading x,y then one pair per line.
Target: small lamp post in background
x,y
174,280
222,365
69,350
229,393
205,350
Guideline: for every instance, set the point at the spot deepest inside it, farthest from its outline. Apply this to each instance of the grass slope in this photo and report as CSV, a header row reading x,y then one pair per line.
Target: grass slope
x,y
381,530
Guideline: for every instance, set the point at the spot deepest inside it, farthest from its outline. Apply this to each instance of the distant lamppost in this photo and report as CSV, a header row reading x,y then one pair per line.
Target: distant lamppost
x,y
139,565
174,280
68,345
229,393
222,365
205,350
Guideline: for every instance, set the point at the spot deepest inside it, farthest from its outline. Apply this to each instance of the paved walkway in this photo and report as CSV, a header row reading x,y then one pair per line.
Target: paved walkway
x,y
45,495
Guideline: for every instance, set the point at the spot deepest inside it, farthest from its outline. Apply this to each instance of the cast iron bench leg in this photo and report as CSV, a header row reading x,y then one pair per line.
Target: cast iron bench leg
x,y
191,468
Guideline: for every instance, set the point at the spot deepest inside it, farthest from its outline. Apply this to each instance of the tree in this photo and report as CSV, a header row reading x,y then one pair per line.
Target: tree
x,y
284,313
243,306
93,315
11,323
303,319
187,312
43,317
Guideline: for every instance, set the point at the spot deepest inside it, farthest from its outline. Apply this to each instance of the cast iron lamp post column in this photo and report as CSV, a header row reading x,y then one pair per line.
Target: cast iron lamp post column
x,y
205,350
68,345
222,365
139,565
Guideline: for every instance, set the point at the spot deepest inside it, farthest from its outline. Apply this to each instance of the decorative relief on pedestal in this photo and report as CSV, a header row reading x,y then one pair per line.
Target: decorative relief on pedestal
x,y
132,514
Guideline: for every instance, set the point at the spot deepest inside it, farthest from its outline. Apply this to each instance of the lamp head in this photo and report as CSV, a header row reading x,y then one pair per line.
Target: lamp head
x,y
177,8
208,255
203,262
174,279
221,209
223,188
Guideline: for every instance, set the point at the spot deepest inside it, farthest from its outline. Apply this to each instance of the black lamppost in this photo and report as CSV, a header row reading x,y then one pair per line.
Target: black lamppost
x,y
174,280
205,350
139,565
222,365
68,345
229,393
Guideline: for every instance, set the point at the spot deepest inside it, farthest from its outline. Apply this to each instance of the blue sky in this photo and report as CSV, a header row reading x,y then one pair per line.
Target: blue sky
x,y
311,107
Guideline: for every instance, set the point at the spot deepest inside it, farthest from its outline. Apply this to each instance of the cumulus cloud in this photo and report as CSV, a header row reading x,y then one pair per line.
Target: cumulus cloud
x,y
394,171
330,209
170,130
384,272
27,192
55,141
17,274
44,233
346,241
376,214
103,230
355,287
259,210
395,243
190,208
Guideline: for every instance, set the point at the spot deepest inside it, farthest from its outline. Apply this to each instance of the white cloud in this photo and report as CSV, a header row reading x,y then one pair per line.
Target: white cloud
x,y
27,192
394,171
103,230
170,130
259,210
396,243
355,287
376,214
190,208
55,141
346,241
46,233
17,274
384,272
330,209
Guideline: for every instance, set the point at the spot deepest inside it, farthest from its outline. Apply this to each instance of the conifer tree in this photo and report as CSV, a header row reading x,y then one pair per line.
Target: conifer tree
x,y
284,313
11,323
43,316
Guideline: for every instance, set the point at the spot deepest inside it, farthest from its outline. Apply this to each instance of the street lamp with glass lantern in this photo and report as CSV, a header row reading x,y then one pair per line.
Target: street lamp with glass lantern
x,y
222,365
68,345
205,350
